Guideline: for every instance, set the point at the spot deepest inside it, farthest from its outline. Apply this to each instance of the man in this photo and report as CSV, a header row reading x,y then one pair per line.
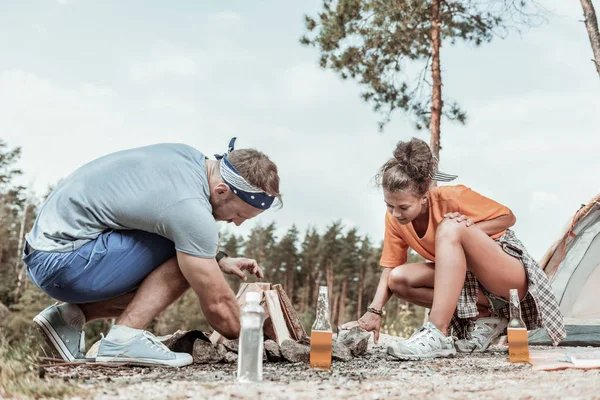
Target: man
x,y
127,234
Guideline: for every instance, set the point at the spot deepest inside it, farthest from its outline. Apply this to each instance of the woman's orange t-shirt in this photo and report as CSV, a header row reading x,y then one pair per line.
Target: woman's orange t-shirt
x,y
442,199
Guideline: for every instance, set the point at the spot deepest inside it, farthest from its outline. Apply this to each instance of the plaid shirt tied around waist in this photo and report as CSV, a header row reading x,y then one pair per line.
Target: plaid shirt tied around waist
x,y
539,308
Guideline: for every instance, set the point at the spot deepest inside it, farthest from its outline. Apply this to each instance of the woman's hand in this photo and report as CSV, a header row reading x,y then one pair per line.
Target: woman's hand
x,y
369,322
459,218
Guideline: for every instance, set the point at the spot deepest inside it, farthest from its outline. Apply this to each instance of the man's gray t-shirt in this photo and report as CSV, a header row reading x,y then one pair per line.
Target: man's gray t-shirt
x,y
161,189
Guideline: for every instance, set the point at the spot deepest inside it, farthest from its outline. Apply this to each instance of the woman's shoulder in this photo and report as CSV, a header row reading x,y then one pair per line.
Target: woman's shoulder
x,y
447,192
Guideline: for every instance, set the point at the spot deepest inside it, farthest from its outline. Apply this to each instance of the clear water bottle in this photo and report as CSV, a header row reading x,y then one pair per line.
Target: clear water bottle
x,y
250,353
321,334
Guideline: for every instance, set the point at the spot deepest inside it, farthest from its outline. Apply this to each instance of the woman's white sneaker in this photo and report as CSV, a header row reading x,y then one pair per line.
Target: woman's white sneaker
x,y
426,343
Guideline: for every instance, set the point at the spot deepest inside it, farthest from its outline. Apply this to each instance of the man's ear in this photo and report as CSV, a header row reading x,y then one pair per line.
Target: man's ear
x,y
221,189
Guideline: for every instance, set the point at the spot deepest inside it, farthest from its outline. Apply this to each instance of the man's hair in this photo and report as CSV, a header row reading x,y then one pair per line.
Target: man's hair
x,y
258,170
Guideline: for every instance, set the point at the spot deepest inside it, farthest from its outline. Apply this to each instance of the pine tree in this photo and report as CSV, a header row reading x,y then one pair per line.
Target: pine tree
x,y
380,43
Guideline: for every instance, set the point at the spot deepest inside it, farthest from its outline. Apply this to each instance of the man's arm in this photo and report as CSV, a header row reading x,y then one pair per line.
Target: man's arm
x,y
217,301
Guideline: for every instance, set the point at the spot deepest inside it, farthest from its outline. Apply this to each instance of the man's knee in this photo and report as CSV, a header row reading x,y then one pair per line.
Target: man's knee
x,y
450,230
399,282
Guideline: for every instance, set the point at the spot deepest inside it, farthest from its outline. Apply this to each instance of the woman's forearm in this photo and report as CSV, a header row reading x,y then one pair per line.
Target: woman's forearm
x,y
383,293
493,226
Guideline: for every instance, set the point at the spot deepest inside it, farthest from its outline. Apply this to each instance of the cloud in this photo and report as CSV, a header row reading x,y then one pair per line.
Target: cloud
x,y
167,61
543,201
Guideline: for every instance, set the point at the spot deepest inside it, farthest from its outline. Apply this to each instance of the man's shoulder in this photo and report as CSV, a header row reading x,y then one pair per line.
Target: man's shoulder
x,y
173,147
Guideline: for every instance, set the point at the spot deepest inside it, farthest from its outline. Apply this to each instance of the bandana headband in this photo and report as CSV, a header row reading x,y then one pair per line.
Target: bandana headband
x,y
241,188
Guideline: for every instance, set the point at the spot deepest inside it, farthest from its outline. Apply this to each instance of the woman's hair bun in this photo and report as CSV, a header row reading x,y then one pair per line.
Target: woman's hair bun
x,y
415,159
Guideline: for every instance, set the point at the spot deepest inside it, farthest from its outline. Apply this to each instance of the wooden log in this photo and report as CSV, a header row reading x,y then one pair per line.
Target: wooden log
x,y
216,337
277,319
291,317
263,285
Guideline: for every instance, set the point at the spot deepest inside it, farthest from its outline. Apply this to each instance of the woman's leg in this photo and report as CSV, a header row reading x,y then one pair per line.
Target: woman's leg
x,y
414,283
459,246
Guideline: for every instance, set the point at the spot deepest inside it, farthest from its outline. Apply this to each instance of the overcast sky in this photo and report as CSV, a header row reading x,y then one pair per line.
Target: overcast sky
x,y
82,78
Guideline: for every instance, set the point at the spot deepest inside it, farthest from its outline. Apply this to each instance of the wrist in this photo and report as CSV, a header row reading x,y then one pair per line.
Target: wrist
x,y
220,255
375,310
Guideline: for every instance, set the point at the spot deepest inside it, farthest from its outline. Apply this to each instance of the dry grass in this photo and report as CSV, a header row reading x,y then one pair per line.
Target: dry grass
x,y
20,376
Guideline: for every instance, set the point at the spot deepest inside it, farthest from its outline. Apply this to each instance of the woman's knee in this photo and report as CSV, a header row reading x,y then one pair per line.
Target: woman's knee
x,y
450,230
399,282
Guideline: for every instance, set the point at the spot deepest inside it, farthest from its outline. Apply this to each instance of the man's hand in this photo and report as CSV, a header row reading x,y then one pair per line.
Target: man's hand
x,y
237,266
459,218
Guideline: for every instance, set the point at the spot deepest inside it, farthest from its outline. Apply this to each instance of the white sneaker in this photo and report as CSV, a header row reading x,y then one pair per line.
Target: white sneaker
x,y
480,333
142,349
426,343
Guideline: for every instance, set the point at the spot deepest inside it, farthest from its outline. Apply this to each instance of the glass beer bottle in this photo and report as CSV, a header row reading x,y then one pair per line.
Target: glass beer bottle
x,y
518,344
321,334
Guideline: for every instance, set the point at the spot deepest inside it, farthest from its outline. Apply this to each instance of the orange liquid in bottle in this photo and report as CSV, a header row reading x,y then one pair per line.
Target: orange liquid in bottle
x,y
518,345
320,349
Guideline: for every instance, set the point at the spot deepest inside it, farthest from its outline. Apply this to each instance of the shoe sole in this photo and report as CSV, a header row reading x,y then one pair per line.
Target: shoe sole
x,y
146,362
54,338
411,357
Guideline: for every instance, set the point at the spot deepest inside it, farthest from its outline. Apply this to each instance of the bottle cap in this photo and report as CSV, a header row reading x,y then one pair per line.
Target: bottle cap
x,y
253,297
322,289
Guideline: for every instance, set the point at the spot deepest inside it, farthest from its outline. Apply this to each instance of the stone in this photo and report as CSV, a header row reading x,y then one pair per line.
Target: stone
x,y
272,350
295,352
231,345
208,353
339,352
355,339
183,341
230,357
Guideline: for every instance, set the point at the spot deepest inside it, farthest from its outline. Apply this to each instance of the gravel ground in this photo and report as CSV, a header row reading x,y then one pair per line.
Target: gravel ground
x,y
373,376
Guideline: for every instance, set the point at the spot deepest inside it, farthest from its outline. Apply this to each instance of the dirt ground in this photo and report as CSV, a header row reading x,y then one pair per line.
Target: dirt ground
x,y
373,376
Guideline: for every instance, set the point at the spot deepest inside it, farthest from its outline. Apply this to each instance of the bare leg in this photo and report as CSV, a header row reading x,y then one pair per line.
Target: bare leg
x,y
137,309
414,283
457,245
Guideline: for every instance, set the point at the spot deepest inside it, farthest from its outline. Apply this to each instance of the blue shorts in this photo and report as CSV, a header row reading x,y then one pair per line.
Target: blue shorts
x,y
113,264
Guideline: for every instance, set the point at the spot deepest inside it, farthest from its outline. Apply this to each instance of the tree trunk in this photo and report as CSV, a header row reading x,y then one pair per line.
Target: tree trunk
x,y
342,304
334,315
306,294
591,23
359,300
436,75
19,265
290,290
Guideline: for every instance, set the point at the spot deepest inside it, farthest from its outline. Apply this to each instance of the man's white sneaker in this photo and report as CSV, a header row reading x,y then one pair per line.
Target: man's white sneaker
x,y
142,349
480,333
426,343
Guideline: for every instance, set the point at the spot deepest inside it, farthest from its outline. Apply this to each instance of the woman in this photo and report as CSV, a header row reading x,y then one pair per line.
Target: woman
x,y
475,258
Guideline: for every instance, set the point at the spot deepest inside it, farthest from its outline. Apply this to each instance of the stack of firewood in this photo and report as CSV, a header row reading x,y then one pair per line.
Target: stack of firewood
x,y
281,320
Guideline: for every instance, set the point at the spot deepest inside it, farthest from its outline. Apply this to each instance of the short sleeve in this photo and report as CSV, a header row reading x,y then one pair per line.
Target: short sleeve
x,y
190,225
478,207
395,249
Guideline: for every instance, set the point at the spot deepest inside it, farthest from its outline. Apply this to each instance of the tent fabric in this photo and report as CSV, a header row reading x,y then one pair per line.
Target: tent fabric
x,y
573,266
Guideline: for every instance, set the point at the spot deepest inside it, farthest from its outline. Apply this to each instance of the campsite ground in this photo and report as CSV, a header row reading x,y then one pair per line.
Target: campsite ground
x,y
372,376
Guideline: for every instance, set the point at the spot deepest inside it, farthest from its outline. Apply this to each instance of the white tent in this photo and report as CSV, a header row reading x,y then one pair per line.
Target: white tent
x,y
573,266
